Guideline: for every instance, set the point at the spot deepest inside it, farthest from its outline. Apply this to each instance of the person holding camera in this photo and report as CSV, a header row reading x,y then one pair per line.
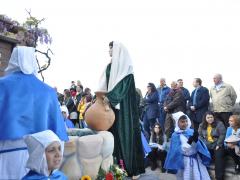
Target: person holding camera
x,y
151,108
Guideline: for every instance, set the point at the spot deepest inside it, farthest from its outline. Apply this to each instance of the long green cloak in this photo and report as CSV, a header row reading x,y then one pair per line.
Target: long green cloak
x,y
126,128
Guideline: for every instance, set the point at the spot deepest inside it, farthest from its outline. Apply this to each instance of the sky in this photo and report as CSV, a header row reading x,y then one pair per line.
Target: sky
x,y
165,38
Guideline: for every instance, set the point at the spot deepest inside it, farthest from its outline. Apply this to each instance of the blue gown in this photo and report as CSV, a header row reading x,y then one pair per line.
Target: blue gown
x,y
27,105
174,160
32,175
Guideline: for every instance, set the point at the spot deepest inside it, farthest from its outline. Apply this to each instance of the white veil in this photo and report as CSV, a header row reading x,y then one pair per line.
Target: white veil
x,y
120,68
176,117
37,143
22,59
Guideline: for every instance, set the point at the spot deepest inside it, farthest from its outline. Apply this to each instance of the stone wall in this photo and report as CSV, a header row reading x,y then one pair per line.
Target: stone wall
x,y
6,46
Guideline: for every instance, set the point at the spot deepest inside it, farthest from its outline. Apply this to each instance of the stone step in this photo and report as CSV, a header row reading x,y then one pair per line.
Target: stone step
x,y
229,170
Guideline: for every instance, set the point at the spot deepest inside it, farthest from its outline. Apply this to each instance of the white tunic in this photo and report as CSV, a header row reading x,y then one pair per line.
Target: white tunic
x,y
13,155
193,167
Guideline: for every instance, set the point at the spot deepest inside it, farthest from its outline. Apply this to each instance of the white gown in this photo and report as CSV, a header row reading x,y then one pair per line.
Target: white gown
x,y
193,167
15,159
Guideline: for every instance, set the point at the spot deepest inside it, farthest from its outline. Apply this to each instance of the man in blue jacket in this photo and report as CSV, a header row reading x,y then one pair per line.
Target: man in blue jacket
x,y
198,103
163,91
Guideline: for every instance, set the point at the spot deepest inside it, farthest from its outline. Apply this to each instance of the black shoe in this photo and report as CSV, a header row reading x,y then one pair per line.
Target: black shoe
x,y
237,168
154,167
163,170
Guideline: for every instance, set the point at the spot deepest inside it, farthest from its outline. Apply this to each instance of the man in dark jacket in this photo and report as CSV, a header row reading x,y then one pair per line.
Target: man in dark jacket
x,y
198,103
185,92
174,102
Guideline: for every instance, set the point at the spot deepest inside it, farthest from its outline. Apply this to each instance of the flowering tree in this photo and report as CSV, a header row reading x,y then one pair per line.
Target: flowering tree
x,y
28,34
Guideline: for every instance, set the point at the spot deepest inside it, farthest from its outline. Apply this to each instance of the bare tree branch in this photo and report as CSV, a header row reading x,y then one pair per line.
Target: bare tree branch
x,y
49,59
40,68
36,22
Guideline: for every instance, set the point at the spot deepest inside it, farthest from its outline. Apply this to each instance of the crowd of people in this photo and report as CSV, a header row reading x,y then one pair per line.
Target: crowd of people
x,y
212,124
74,101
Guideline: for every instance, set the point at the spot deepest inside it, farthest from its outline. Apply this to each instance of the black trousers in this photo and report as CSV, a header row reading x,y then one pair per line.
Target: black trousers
x,y
195,126
219,161
169,126
235,157
223,116
75,122
156,155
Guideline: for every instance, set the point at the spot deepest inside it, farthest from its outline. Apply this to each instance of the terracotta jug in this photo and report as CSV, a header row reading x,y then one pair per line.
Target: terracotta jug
x,y
100,116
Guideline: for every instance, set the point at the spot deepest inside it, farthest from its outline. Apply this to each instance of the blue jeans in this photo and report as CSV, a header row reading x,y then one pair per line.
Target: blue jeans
x,y
148,125
162,117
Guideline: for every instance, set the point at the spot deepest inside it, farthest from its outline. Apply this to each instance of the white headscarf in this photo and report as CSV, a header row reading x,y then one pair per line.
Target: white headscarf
x,y
65,109
120,68
37,143
22,59
176,117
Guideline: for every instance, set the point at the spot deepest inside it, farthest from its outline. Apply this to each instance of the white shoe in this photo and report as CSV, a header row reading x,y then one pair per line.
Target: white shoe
x,y
136,177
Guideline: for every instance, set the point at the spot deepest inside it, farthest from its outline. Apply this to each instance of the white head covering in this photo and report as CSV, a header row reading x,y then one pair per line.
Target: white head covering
x,y
65,109
232,139
120,68
176,117
37,143
22,59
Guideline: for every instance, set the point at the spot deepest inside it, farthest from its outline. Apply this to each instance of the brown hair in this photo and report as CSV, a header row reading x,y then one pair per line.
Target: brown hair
x,y
160,128
204,121
237,120
154,135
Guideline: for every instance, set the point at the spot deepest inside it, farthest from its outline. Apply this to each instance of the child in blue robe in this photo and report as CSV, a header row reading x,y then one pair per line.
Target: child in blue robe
x,y
45,156
188,158
65,113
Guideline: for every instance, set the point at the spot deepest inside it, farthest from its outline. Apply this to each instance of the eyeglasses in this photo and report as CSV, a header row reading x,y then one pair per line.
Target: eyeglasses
x,y
157,127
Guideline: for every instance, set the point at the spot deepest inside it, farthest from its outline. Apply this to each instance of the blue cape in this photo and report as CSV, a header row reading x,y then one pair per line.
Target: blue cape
x,y
146,148
27,105
69,123
174,160
57,175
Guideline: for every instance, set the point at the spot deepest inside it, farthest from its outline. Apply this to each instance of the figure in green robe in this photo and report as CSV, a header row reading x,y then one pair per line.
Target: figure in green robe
x,y
118,81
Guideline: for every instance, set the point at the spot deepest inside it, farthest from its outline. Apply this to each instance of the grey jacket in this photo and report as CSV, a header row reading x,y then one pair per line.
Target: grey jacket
x,y
218,133
223,99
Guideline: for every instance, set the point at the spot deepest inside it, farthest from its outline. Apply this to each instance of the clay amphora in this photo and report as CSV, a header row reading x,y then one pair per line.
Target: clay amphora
x,y
100,116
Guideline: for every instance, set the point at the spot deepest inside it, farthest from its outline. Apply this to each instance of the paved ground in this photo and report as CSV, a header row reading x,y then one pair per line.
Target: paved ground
x,y
156,175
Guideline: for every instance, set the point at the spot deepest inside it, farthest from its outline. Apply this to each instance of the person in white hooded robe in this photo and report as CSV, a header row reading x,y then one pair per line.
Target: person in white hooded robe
x,y
45,156
27,105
